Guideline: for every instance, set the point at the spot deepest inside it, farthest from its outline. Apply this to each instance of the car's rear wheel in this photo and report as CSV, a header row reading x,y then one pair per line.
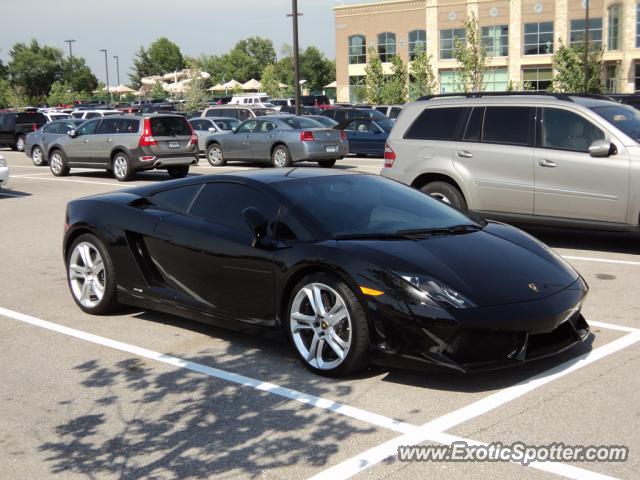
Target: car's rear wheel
x,y
178,171
327,163
121,167
446,193
215,157
280,157
91,276
20,143
58,164
37,157
327,326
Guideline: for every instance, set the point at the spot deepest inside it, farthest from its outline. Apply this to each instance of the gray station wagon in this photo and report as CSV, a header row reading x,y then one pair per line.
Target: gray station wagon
x,y
124,145
565,160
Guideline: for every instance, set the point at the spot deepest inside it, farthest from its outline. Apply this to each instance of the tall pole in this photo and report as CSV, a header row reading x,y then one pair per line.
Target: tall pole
x,y
117,67
586,46
70,59
106,67
296,57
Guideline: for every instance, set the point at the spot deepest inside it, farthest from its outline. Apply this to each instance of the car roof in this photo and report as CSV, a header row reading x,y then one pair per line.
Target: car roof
x,y
528,99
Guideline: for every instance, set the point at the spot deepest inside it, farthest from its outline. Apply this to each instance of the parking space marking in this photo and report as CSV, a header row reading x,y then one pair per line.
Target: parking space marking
x,y
611,326
431,429
601,260
288,393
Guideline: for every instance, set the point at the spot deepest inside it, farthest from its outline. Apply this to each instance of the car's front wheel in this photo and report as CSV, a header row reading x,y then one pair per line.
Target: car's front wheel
x,y
58,164
215,157
37,157
178,171
91,276
121,167
446,193
327,326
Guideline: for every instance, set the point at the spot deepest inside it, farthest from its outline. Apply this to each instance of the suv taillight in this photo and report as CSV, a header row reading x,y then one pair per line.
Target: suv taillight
x,y
194,137
389,156
306,136
343,135
146,139
34,127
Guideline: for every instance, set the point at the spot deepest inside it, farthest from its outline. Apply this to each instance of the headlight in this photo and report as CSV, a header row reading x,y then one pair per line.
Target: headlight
x,y
3,162
437,291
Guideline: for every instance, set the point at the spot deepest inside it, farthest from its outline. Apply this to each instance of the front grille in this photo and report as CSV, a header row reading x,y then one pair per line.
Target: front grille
x,y
476,346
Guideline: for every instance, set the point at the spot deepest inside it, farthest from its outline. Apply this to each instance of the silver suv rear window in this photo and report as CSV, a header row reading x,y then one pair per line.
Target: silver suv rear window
x,y
169,126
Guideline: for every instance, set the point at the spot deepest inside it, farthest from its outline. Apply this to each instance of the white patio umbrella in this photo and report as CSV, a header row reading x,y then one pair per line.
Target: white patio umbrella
x,y
231,84
122,89
216,88
252,84
333,84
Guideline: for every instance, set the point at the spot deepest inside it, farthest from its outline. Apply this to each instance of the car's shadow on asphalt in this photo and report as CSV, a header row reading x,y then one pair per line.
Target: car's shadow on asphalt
x,y
4,194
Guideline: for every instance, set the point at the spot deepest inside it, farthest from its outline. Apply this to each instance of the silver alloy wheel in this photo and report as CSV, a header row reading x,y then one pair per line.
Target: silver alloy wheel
x,y
280,157
20,143
320,326
441,197
120,166
56,163
37,156
215,156
87,275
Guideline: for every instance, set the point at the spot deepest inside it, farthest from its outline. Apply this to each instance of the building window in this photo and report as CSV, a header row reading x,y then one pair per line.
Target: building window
x,y
537,78
538,38
614,30
496,40
495,80
417,41
637,76
449,82
576,35
611,78
386,46
448,39
357,49
357,89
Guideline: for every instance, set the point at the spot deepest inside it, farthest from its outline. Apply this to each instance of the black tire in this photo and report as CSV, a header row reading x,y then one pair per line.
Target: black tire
x,y
357,356
280,157
108,302
20,143
327,163
215,156
121,167
58,163
446,193
37,157
178,171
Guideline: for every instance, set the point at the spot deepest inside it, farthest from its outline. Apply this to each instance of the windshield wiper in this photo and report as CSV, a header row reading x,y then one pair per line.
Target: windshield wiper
x,y
450,230
374,236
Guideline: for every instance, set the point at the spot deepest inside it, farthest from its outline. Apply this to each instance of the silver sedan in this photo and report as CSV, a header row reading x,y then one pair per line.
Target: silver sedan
x,y
206,126
280,140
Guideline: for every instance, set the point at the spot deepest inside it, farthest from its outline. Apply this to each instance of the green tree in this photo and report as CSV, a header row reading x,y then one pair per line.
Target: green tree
x,y
248,58
34,68
270,82
471,56
165,56
395,85
196,97
79,75
157,92
422,79
61,93
316,68
141,67
3,70
374,80
569,71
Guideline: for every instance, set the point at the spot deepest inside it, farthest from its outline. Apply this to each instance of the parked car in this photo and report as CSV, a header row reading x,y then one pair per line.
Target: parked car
x,y
219,100
631,99
14,127
238,112
352,268
204,127
390,111
87,114
280,140
53,116
342,114
559,159
252,99
304,110
126,144
282,102
314,101
37,143
4,172
326,121
366,136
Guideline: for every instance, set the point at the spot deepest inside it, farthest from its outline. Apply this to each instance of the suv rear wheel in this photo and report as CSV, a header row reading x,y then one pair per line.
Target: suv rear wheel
x,y
37,156
20,143
178,171
446,193
122,167
327,163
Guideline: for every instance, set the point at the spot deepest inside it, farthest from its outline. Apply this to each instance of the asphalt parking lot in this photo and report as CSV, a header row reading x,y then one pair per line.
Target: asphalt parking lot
x,y
141,394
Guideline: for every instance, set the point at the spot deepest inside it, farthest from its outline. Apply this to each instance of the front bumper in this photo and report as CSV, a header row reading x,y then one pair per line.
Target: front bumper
x,y
4,176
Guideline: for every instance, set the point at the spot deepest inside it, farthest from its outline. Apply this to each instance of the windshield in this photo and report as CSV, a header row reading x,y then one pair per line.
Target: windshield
x,y
386,124
344,205
622,117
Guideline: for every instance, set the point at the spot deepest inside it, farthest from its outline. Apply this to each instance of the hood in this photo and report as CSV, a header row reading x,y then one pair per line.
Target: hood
x,y
494,266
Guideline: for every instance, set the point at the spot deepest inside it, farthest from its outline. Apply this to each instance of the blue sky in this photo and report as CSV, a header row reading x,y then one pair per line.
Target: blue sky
x,y
198,26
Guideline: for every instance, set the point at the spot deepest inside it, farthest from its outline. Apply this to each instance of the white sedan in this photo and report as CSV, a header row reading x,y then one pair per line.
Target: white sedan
x,y
4,172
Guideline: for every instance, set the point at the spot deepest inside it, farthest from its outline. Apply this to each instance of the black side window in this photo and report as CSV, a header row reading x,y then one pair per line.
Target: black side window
x,y
128,126
176,199
509,125
288,227
51,128
88,128
435,124
473,129
197,124
223,204
107,127
340,116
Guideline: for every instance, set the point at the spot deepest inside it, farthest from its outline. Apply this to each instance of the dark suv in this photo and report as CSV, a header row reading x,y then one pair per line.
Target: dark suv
x,y
15,126
127,144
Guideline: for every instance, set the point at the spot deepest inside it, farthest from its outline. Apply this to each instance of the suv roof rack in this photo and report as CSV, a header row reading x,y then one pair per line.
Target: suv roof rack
x,y
559,96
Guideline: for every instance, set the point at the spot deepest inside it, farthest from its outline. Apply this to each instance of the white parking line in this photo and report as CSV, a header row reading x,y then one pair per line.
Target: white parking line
x,y
431,429
601,260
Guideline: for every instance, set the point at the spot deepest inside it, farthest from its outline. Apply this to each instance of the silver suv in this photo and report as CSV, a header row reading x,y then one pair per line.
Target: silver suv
x,y
542,159
126,144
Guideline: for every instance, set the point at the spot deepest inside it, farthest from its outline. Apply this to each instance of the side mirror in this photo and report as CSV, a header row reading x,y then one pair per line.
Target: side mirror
x,y
211,129
257,223
602,148
72,133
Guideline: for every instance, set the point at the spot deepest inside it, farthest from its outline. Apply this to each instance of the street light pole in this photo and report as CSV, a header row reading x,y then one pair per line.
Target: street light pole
x,y
117,67
296,57
70,52
586,46
106,67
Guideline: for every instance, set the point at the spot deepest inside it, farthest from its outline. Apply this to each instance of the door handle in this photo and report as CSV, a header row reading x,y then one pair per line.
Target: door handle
x,y
108,140
547,163
464,154
44,138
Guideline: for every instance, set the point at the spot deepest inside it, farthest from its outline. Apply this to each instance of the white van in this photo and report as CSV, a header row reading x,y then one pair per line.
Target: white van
x,y
252,99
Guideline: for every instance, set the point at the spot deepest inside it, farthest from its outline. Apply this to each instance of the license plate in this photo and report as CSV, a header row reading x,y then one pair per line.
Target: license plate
x,y
331,148
174,144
